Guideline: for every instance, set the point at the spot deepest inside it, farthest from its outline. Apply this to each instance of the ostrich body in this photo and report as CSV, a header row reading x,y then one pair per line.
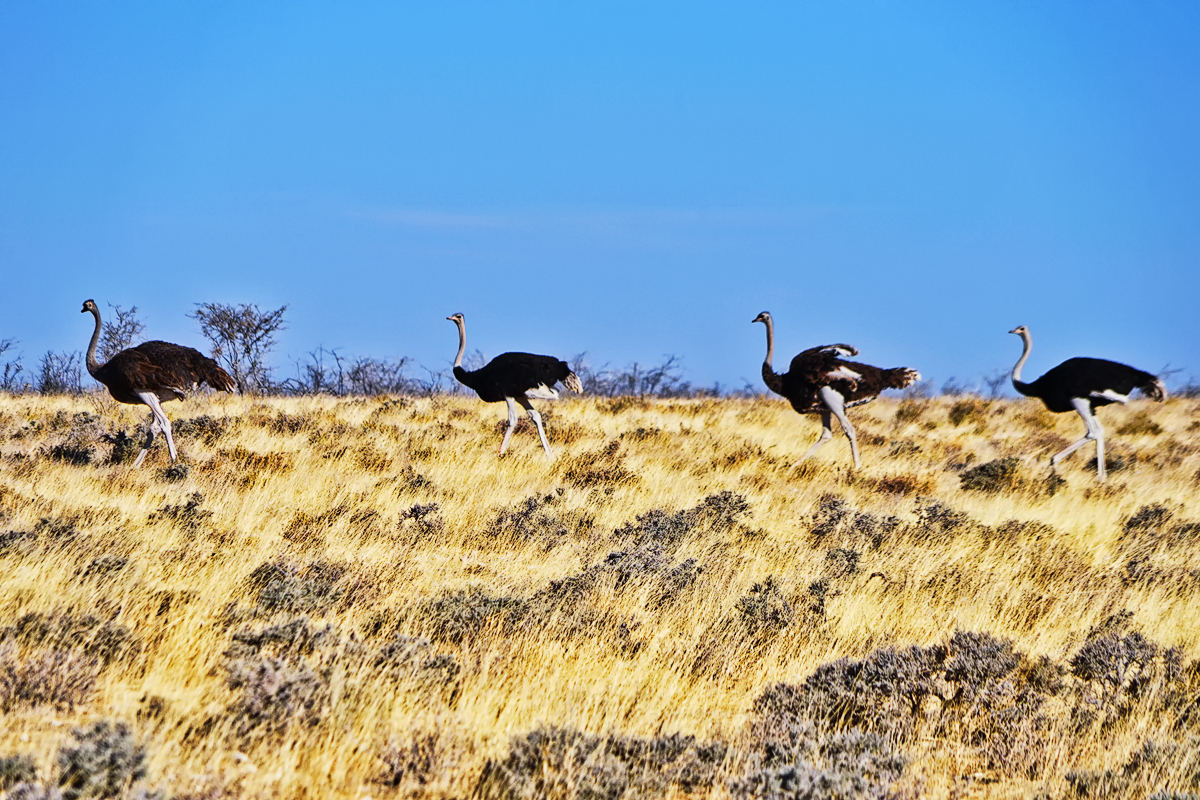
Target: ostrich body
x,y
515,378
1083,385
151,374
820,381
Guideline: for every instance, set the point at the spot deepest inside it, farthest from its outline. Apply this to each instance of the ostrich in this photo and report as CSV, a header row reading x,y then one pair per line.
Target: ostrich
x,y
514,378
151,374
820,382
1083,385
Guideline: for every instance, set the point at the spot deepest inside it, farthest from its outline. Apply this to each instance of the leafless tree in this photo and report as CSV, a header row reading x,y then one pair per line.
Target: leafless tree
x,y
376,376
119,331
637,380
242,337
317,375
329,372
11,368
996,382
952,388
60,373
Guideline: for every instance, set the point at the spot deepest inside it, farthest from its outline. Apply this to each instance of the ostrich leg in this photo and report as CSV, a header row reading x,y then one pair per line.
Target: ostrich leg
x,y
1094,433
826,435
137,462
837,405
537,420
512,424
164,424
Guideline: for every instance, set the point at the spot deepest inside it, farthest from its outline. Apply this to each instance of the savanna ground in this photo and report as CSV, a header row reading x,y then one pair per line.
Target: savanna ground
x,y
355,597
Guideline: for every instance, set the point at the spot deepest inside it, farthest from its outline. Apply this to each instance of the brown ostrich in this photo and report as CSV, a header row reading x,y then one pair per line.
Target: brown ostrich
x,y
151,374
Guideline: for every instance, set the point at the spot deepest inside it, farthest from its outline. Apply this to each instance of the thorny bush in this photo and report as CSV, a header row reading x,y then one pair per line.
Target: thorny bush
x,y
103,761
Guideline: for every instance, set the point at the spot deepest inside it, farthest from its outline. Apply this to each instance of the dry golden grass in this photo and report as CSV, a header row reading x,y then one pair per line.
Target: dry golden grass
x,y
320,510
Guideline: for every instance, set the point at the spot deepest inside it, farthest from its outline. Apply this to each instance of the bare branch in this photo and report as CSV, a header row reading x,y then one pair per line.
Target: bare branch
x,y
119,331
242,337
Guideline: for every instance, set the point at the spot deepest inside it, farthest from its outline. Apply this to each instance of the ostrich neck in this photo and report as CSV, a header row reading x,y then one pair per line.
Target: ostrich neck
x,y
770,345
462,343
92,363
1016,370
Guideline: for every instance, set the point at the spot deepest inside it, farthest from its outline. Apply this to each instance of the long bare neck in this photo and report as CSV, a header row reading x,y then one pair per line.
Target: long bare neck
x,y
770,344
462,342
1017,383
92,363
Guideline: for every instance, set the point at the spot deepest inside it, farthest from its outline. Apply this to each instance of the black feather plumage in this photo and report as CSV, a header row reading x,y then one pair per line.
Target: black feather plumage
x,y
1086,378
515,375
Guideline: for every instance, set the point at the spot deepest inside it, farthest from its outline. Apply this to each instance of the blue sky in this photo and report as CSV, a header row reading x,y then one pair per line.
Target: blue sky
x,y
627,179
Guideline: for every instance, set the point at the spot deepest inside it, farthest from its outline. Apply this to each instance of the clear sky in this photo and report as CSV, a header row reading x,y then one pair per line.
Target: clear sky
x,y
627,179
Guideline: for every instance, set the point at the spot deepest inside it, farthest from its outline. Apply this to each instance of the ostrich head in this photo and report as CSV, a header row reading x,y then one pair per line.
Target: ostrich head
x,y
764,318
1020,330
88,305
456,318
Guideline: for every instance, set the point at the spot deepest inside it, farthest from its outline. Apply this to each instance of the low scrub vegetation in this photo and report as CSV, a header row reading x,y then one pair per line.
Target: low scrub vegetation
x,y
343,597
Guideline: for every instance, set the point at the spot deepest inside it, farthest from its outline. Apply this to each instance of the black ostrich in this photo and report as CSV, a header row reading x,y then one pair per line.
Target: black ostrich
x,y
515,378
820,382
1083,385
151,374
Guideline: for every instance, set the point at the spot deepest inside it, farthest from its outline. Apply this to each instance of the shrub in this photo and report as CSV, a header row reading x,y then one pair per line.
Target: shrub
x,y
938,522
971,409
976,658
413,763
537,518
1140,424
717,513
851,764
994,476
104,640
57,531
105,565
124,447
205,427
765,610
33,791
190,514
460,616
880,693
103,761
909,411
604,470
1149,519
553,762
1118,662
17,542
831,512
78,455
274,693
16,769
173,473
283,586
425,519
1153,764
415,657
841,562
296,637
58,678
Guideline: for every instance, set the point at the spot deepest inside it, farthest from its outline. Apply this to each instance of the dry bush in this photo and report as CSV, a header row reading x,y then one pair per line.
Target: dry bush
x,y
45,677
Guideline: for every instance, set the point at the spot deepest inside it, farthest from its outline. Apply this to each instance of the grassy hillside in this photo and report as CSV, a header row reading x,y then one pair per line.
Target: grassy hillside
x,y
343,598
